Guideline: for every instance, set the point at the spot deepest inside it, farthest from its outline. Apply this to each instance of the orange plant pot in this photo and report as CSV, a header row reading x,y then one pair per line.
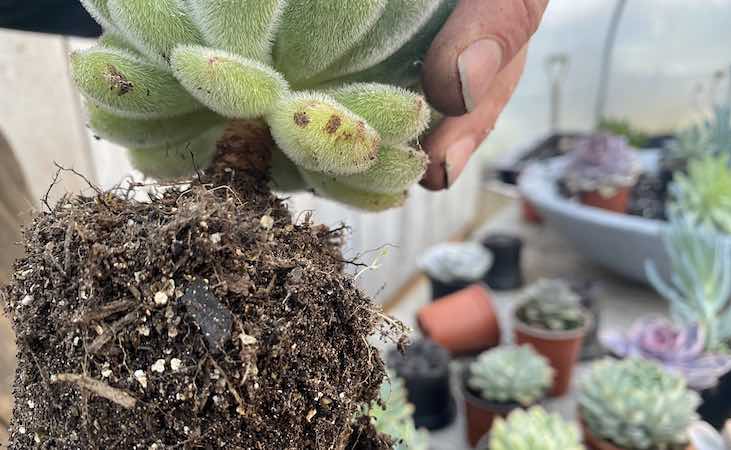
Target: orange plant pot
x,y
481,414
464,322
530,213
562,349
618,203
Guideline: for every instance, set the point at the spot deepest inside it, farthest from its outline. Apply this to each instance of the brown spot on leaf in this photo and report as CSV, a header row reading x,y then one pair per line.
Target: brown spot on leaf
x,y
301,119
118,81
333,124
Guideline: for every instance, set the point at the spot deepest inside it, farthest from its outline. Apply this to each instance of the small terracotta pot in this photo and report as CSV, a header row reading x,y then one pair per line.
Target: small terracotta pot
x,y
618,203
464,322
530,213
561,348
481,413
596,443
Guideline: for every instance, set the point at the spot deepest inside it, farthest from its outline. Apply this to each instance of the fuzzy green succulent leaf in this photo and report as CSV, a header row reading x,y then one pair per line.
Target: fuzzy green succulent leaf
x,y
331,188
511,374
155,28
320,134
284,174
400,21
637,404
111,39
136,133
99,10
179,159
228,84
397,114
398,167
244,27
534,429
315,33
121,83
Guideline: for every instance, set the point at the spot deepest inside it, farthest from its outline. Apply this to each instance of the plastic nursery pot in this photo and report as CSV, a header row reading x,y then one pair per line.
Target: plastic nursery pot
x,y
464,323
618,203
716,406
588,292
440,289
530,213
424,367
561,348
506,272
452,267
595,443
480,413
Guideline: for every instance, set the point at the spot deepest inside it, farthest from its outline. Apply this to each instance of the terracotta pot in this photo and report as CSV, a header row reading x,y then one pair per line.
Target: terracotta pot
x,y
530,214
464,322
618,203
561,348
596,443
481,413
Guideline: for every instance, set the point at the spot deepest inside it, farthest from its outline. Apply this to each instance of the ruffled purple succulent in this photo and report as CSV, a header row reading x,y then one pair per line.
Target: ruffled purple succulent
x,y
679,349
604,163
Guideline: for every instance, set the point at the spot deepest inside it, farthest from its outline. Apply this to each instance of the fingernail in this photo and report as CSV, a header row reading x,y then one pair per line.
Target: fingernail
x,y
478,65
458,154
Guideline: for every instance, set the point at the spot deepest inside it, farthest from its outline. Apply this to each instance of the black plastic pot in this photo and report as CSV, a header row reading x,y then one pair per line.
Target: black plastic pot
x,y
440,289
425,371
716,406
588,292
506,273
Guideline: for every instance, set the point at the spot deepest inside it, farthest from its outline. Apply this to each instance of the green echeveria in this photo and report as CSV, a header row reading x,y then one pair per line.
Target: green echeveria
x,y
636,404
534,429
511,374
330,79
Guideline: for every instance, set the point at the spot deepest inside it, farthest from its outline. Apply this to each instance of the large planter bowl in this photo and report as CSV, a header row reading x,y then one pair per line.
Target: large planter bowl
x,y
619,242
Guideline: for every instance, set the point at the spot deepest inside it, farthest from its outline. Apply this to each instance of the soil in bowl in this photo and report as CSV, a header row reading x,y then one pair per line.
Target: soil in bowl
x,y
203,318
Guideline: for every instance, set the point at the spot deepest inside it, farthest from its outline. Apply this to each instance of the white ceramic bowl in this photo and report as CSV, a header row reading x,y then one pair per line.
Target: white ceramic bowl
x,y
619,242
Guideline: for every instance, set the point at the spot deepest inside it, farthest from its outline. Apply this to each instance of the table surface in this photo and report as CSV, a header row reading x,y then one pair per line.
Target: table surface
x,y
545,255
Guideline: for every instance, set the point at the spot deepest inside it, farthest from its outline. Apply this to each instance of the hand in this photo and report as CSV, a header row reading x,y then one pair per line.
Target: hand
x,y
470,73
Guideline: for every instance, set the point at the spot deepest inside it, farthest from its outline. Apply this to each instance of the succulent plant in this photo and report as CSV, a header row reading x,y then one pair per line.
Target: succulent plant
x,y
710,137
510,374
534,429
601,163
704,194
636,404
326,78
678,348
552,305
392,416
623,127
700,288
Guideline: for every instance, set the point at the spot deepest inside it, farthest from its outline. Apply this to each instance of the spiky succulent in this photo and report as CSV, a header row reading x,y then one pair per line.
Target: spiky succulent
x,y
327,78
534,429
700,288
602,163
637,405
704,193
552,305
510,374
392,416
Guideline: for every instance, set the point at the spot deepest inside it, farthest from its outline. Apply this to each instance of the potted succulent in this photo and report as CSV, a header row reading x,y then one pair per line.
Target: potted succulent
x,y
452,267
532,429
601,171
424,367
206,316
551,320
635,404
678,348
700,295
465,323
500,381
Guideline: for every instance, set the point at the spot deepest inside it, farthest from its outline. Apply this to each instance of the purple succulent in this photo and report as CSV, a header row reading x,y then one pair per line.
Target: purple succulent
x,y
679,349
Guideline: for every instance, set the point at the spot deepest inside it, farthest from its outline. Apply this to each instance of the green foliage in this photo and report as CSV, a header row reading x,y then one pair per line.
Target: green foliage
x,y
534,429
226,83
623,127
286,62
393,416
700,288
710,137
511,374
636,404
552,305
703,195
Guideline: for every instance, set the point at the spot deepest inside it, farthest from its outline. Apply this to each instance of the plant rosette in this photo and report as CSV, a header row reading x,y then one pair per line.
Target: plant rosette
x,y
595,443
552,321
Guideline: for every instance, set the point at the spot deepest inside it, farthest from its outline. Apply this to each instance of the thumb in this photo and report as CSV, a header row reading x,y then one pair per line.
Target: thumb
x,y
480,39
